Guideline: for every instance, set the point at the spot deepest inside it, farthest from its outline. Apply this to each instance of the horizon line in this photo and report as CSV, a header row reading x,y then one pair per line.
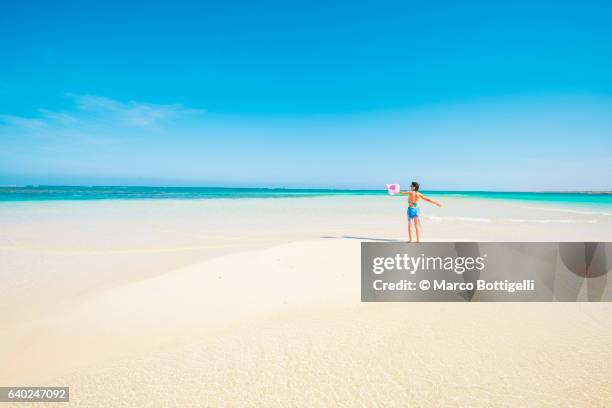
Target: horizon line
x,y
305,188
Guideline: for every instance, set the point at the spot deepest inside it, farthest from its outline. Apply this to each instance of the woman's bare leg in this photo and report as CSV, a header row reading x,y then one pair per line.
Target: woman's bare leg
x,y
417,228
409,230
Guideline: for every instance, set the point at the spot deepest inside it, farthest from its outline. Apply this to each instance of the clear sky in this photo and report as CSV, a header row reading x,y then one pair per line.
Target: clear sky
x,y
459,95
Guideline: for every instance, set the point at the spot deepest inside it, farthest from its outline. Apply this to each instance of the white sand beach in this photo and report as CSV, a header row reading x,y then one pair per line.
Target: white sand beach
x,y
256,302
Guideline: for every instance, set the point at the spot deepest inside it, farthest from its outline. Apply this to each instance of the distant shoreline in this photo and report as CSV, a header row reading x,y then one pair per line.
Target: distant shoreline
x,y
434,191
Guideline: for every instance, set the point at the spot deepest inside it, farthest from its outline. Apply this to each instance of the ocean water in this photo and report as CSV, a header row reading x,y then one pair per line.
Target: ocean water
x,y
46,193
40,193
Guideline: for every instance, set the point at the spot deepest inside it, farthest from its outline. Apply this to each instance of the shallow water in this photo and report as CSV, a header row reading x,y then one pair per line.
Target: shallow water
x,y
45,193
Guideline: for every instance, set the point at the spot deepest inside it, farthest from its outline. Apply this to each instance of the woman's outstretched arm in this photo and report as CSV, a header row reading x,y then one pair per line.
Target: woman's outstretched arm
x,y
429,200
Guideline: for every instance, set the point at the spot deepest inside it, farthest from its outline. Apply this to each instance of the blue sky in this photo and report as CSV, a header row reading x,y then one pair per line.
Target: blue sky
x,y
459,95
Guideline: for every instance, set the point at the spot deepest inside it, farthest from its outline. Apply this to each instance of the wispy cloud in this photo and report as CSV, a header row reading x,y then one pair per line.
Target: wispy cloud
x,y
94,126
96,111
132,113
58,117
94,135
22,122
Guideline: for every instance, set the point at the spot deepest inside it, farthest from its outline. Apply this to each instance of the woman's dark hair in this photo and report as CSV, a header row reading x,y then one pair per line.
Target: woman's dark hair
x,y
415,185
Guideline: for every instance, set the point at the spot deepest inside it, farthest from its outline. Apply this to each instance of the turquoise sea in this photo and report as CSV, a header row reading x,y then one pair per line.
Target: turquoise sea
x,y
45,193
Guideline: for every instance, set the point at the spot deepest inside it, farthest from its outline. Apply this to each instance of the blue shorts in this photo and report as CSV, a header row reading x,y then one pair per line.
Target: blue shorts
x,y
412,212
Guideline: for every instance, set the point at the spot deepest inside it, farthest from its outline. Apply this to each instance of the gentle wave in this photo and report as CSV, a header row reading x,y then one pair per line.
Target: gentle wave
x,y
470,219
569,211
563,221
515,220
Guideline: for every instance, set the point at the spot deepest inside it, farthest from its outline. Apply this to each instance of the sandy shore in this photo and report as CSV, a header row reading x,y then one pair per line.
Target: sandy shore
x,y
256,303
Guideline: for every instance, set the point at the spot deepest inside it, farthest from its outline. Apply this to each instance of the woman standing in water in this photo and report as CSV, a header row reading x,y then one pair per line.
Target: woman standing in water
x,y
413,209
